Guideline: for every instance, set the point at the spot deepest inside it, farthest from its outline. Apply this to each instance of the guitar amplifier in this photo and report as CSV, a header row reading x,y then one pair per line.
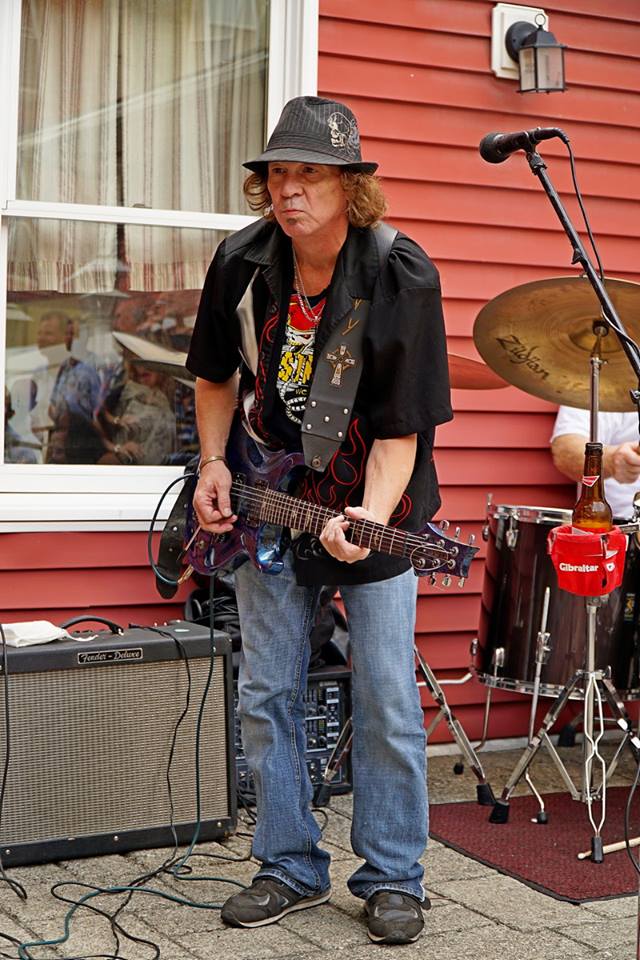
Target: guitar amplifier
x,y
91,731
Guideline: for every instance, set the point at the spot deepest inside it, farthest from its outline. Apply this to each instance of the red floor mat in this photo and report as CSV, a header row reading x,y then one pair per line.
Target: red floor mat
x,y
544,856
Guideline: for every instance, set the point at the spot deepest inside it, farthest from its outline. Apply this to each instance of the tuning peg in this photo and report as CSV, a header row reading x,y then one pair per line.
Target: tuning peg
x,y
457,533
461,582
446,580
444,524
472,539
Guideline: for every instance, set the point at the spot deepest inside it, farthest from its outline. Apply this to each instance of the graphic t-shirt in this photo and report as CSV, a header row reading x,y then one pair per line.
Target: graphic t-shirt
x,y
296,355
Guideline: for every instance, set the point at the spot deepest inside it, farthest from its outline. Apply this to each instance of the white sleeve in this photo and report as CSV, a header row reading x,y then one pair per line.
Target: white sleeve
x,y
572,420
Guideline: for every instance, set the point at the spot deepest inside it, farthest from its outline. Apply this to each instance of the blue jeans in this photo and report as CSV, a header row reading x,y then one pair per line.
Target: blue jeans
x,y
390,814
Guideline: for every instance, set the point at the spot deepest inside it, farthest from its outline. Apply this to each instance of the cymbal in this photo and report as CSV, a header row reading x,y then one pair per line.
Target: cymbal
x,y
466,374
539,337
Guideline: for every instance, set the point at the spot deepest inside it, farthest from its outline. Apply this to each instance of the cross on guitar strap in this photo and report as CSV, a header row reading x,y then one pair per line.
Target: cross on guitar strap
x,y
335,382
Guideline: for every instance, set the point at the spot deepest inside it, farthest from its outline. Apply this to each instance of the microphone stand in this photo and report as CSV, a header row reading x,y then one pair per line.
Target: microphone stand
x,y
611,320
609,313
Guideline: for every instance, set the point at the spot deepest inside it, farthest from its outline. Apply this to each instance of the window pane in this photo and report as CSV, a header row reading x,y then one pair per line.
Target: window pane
x,y
96,342
148,103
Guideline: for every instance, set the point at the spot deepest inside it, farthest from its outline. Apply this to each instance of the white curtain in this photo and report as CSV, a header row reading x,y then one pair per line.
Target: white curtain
x,y
194,85
67,146
189,78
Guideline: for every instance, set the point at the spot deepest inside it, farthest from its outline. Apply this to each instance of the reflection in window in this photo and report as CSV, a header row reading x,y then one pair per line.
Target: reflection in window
x,y
149,103
95,360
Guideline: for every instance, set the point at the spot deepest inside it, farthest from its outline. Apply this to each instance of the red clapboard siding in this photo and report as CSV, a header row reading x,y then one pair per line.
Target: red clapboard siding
x,y
47,551
398,44
436,85
418,76
464,204
429,124
55,576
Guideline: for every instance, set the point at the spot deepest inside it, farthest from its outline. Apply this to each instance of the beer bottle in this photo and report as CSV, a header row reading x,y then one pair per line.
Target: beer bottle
x,y
592,512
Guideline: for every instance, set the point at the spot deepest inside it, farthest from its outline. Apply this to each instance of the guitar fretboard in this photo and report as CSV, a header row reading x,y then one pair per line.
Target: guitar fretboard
x,y
283,509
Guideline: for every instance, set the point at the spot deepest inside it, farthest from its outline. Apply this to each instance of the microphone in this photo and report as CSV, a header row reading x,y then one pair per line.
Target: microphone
x,y
497,147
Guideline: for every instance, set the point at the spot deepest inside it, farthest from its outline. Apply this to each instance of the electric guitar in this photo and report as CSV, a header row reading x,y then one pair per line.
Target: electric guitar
x,y
261,479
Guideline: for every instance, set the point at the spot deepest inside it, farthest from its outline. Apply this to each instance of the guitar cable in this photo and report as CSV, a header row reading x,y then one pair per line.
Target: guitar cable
x,y
152,563
594,246
175,866
17,888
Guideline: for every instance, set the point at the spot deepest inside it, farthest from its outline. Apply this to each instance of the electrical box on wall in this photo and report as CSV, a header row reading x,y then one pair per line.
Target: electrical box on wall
x,y
503,16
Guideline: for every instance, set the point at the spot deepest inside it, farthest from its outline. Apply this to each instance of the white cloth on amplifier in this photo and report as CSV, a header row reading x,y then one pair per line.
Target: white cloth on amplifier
x,y
29,632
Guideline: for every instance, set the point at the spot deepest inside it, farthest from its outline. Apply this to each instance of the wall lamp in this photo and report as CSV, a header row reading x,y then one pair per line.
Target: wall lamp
x,y
524,49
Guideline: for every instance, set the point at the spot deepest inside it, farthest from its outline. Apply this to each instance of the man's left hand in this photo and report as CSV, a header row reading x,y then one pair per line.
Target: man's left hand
x,y
333,537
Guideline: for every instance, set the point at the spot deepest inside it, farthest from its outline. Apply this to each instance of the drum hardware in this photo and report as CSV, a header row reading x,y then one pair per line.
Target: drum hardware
x,y
594,685
511,536
498,661
485,529
611,847
484,792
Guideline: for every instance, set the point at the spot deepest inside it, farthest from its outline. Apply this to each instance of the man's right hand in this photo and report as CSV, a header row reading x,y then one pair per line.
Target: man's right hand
x,y
212,501
622,462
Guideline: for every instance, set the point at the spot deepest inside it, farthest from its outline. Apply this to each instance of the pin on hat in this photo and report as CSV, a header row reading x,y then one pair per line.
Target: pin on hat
x,y
315,130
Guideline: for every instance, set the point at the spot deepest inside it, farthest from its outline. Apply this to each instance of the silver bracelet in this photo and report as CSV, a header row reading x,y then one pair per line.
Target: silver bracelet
x,y
207,460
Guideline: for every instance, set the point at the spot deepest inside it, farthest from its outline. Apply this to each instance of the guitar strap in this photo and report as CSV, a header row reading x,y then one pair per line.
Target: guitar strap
x,y
332,395
326,418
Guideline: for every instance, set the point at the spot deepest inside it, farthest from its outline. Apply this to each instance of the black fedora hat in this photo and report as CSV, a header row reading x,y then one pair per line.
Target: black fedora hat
x,y
314,130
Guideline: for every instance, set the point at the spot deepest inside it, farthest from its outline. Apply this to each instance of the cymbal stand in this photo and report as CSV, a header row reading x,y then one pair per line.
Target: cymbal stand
x,y
592,685
322,793
484,791
542,655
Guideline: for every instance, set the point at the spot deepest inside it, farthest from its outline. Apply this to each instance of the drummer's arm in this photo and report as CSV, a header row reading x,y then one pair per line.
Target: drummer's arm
x,y
621,460
568,455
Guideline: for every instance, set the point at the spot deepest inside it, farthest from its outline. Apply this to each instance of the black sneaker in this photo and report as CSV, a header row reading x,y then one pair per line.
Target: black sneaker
x,y
265,901
394,917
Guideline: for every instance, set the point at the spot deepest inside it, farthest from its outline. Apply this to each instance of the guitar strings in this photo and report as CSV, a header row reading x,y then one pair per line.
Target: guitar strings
x,y
278,503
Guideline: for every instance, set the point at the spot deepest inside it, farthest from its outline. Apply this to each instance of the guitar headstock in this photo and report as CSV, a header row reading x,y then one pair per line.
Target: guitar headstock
x,y
437,553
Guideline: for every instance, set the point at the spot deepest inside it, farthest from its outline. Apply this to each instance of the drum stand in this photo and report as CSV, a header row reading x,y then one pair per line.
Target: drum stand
x,y
593,686
484,792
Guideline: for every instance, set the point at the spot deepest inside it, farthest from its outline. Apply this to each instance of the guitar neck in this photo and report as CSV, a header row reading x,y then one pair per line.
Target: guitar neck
x,y
283,509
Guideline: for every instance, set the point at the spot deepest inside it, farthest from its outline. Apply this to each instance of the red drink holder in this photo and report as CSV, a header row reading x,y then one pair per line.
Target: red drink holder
x,y
587,564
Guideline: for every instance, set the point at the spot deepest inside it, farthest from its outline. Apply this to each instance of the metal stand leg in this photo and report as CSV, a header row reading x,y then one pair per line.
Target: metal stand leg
x,y
484,791
542,655
322,793
594,687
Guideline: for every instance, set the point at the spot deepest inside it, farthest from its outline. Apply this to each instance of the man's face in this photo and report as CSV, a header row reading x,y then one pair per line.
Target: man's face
x,y
307,198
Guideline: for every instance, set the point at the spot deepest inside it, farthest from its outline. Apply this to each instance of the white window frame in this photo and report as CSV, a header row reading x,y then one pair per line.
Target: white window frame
x,y
37,497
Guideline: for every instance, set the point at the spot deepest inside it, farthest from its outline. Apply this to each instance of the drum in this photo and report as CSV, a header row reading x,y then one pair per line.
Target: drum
x,y
518,570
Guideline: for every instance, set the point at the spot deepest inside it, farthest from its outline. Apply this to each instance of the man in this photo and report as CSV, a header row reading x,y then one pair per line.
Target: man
x,y
618,432
274,295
